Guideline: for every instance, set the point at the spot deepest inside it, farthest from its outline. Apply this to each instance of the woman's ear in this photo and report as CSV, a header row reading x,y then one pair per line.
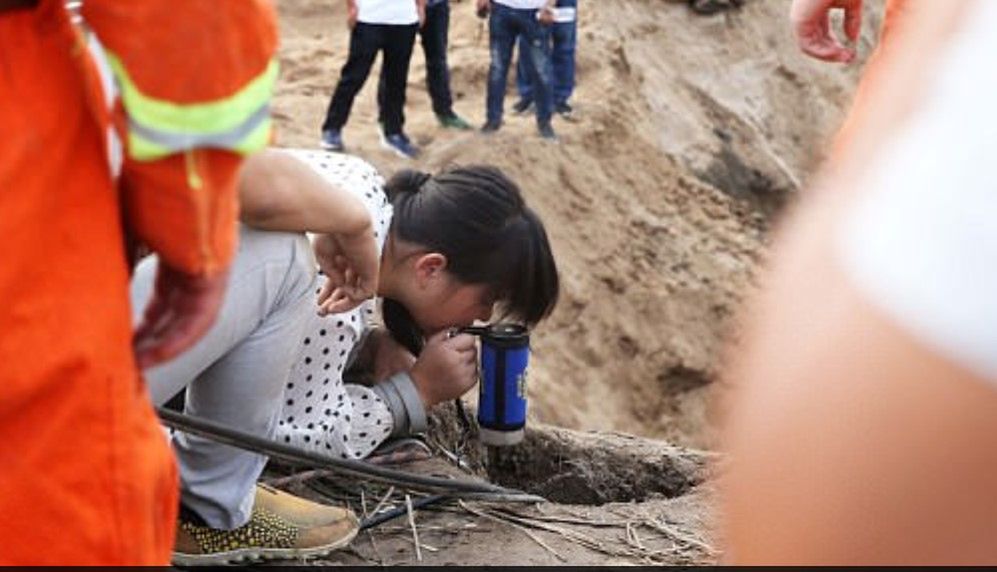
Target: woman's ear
x,y
429,266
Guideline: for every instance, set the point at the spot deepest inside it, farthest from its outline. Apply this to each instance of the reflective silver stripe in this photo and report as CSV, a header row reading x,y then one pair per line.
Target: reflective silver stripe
x,y
182,141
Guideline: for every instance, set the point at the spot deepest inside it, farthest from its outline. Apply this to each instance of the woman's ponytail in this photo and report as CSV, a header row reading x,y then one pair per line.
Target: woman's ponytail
x,y
406,181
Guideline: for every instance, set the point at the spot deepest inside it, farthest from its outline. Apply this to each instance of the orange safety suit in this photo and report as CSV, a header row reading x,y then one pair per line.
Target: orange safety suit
x,y
86,476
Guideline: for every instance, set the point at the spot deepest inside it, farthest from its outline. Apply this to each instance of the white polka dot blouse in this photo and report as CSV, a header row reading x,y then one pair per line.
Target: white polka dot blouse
x,y
321,412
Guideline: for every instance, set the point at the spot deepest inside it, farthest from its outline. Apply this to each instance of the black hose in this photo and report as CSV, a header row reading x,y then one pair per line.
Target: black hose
x,y
248,442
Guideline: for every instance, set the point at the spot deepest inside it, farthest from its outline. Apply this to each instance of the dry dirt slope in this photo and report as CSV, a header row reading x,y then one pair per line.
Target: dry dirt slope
x,y
691,131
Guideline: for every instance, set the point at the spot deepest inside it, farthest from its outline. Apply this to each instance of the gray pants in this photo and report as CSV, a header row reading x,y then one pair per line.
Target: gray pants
x,y
236,374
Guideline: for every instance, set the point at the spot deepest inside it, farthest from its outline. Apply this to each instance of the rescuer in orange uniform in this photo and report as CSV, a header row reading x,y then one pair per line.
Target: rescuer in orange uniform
x,y
86,476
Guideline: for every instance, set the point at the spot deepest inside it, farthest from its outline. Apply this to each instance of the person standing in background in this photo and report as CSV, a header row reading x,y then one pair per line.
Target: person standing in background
x,y
508,20
387,26
434,35
563,37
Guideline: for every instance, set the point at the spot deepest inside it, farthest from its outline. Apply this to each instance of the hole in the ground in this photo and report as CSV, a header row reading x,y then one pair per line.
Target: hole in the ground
x,y
594,469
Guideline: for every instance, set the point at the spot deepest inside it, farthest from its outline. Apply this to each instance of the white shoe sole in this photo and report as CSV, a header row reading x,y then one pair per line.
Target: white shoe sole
x,y
248,555
326,147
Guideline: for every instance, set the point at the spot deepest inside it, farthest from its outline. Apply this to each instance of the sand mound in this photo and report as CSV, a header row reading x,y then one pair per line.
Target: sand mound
x,y
691,132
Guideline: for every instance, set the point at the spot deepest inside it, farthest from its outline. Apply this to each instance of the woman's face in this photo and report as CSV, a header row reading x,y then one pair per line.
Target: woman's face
x,y
449,303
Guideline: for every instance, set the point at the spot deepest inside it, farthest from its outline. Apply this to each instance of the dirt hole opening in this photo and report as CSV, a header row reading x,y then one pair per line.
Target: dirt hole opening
x,y
594,469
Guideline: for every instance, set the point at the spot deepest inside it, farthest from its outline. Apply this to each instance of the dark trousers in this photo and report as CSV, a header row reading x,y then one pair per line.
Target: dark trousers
x,y
563,38
434,38
366,40
504,26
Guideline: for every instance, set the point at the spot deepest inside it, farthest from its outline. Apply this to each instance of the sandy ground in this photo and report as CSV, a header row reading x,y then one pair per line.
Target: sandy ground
x,y
691,131
618,500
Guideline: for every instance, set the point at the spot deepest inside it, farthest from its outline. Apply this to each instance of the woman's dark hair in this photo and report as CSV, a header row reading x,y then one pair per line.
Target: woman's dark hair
x,y
476,217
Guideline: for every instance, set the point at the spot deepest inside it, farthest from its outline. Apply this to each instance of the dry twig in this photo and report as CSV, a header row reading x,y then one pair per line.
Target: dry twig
x,y
423,545
564,520
415,531
506,521
680,536
387,496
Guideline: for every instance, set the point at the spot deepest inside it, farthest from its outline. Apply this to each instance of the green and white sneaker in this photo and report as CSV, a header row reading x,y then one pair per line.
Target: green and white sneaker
x,y
282,526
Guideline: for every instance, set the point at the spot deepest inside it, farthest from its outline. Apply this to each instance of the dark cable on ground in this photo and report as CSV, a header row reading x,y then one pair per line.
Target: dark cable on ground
x,y
287,453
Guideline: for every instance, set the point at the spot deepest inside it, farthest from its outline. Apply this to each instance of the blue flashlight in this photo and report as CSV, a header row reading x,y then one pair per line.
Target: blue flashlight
x,y
505,355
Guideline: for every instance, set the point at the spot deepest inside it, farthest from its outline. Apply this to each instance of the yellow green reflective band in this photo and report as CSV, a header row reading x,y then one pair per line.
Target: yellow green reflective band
x,y
157,128
252,135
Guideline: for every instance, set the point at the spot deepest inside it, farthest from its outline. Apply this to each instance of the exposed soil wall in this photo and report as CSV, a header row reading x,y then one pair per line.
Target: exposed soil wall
x,y
691,132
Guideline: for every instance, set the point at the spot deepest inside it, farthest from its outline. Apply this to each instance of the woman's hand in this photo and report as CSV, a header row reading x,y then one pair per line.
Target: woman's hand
x,y
351,264
446,369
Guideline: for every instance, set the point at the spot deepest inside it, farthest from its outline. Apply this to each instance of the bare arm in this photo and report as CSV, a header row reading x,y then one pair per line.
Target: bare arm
x,y
382,356
851,442
278,192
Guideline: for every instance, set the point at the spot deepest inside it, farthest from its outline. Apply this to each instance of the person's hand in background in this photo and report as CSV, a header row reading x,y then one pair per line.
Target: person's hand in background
x,y
351,13
546,14
811,21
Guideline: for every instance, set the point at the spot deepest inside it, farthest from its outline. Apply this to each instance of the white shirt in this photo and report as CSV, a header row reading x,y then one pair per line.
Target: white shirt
x,y
320,412
523,4
921,243
395,12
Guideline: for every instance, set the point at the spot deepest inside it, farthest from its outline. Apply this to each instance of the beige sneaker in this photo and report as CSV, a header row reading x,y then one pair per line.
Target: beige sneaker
x,y
282,526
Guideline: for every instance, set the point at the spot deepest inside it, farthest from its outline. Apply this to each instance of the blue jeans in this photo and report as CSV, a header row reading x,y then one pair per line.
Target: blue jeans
x,y
562,58
504,26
